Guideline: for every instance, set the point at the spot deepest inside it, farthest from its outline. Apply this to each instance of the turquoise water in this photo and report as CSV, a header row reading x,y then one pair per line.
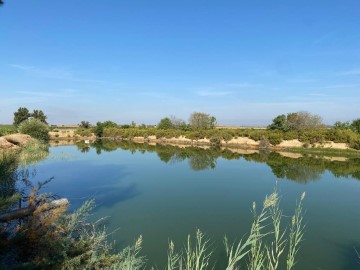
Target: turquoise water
x,y
166,193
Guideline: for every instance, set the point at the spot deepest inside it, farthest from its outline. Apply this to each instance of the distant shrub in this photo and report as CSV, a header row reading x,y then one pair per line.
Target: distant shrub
x,y
356,125
264,143
257,135
275,138
84,132
35,128
312,136
290,135
5,130
355,144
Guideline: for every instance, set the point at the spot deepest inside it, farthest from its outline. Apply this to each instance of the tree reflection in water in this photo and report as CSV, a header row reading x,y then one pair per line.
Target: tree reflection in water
x,y
301,169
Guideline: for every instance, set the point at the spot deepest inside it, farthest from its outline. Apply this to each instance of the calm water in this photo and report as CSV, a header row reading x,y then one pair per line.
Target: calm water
x,y
167,192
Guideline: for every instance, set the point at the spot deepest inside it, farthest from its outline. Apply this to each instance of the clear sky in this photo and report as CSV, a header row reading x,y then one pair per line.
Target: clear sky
x,y
243,61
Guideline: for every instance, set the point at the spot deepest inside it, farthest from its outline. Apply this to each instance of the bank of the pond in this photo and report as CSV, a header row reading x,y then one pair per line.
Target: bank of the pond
x,y
243,142
14,142
244,138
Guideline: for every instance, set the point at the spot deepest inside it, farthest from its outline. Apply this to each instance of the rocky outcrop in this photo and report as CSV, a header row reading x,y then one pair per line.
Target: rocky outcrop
x,y
18,139
5,145
14,141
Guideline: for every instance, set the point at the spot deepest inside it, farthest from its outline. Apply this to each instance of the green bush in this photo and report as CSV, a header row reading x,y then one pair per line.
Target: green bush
x,y
355,144
275,137
312,136
35,128
290,135
5,130
84,132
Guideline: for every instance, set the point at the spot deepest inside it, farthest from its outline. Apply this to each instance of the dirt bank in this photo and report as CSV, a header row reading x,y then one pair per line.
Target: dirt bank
x,y
14,141
240,142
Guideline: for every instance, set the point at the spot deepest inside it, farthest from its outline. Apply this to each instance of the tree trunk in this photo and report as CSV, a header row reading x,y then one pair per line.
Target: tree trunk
x,y
27,211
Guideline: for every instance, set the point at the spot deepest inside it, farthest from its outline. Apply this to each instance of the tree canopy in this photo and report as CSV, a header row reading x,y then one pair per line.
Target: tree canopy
x,y
21,115
165,123
39,114
296,121
356,125
199,120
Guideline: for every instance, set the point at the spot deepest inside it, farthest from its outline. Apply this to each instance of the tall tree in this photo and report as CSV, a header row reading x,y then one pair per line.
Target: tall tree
x,y
85,124
199,120
21,115
165,123
356,125
279,123
303,120
39,114
296,121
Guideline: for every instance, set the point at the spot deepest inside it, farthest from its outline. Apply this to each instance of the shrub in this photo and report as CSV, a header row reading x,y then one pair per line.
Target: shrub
x,y
356,125
355,144
275,138
5,130
165,123
84,132
35,128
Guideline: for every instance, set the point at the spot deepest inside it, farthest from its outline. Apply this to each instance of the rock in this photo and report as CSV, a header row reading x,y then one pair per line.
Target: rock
x,y
5,145
18,139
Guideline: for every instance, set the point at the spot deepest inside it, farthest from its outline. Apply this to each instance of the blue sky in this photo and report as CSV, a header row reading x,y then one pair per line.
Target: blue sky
x,y
243,61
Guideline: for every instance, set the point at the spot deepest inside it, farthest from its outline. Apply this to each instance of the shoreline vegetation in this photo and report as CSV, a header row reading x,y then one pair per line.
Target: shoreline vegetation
x,y
301,130
231,138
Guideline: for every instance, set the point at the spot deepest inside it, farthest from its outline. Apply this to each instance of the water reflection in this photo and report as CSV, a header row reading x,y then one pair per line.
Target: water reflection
x,y
299,168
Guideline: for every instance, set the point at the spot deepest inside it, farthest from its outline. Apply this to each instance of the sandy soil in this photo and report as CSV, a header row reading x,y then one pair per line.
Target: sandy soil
x,y
14,141
290,155
332,145
68,134
290,143
5,145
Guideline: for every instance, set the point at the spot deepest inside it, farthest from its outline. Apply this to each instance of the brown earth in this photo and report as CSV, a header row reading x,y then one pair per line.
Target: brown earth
x,y
14,141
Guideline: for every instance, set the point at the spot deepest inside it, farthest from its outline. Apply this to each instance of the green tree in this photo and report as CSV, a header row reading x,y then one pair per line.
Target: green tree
x,y
84,124
356,125
296,121
342,125
165,123
21,115
39,114
100,126
279,123
35,128
199,120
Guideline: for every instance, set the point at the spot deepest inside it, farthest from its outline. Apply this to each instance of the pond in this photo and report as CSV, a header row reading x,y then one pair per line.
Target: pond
x,y
167,192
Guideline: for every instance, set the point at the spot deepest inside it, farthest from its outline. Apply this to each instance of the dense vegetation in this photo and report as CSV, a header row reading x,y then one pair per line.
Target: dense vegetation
x,y
33,124
35,128
303,126
7,129
309,137
23,114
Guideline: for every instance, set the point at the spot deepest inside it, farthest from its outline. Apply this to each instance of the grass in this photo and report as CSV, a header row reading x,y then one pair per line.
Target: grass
x,y
7,129
267,246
